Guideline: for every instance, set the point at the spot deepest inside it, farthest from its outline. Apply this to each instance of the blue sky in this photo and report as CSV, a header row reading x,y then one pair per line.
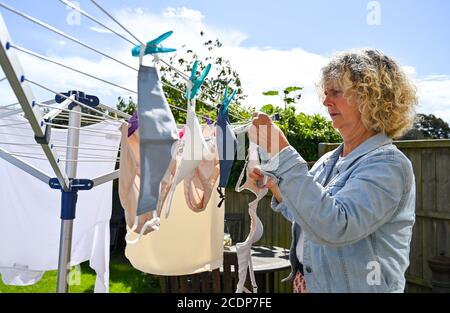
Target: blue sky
x,y
416,33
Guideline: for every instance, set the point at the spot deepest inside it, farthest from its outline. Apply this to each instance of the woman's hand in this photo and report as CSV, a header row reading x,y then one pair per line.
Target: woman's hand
x,y
258,178
266,134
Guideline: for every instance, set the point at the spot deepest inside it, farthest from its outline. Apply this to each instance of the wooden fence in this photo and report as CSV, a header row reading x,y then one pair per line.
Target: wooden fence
x,y
431,232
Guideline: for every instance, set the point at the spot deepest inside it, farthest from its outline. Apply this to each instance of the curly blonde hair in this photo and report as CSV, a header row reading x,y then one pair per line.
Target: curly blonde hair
x,y
385,96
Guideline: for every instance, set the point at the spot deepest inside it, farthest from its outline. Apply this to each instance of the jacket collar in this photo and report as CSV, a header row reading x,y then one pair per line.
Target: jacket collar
x,y
367,146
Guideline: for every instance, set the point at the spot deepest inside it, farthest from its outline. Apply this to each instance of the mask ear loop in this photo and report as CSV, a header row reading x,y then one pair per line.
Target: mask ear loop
x,y
253,153
142,53
154,223
239,185
189,86
156,58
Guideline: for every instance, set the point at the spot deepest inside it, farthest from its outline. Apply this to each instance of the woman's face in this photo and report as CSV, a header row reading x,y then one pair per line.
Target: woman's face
x,y
344,115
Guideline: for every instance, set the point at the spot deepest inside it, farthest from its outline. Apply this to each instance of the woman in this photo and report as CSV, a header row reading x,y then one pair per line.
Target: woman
x,y
353,212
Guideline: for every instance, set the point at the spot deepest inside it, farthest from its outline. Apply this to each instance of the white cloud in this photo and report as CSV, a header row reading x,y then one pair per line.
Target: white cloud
x,y
186,24
260,68
410,70
183,13
271,69
434,96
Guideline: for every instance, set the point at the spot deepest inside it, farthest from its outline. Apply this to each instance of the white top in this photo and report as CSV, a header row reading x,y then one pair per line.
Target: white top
x,y
30,210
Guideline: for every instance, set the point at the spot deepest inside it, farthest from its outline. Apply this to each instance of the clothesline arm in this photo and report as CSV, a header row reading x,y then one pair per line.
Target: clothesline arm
x,y
30,169
105,178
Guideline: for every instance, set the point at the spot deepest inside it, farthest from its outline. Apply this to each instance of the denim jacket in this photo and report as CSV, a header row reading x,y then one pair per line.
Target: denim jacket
x,y
358,223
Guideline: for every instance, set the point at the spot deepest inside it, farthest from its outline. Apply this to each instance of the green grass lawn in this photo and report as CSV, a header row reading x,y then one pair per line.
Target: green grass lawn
x,y
123,279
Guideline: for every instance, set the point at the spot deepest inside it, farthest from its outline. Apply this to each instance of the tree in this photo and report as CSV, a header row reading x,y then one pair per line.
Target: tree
x,y
127,107
428,126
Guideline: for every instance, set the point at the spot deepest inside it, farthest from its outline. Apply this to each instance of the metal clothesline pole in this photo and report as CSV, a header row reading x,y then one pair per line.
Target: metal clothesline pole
x,y
65,242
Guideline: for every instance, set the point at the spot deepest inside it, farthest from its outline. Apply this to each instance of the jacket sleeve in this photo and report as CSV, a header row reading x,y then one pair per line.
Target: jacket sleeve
x,y
280,207
368,199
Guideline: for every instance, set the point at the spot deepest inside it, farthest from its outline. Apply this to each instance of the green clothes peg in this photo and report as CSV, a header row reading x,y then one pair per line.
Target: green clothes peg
x,y
226,100
152,46
196,83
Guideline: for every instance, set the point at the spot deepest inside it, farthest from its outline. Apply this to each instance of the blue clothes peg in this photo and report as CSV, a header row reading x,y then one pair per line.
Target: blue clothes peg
x,y
80,96
152,46
196,82
226,100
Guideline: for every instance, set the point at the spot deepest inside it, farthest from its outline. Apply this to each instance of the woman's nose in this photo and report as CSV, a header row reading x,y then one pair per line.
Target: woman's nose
x,y
327,102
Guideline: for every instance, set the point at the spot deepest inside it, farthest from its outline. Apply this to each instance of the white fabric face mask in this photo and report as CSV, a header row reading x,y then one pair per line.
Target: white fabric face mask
x,y
199,185
192,148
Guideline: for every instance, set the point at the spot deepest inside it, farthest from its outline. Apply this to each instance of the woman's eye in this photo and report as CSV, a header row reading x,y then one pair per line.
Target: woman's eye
x,y
333,93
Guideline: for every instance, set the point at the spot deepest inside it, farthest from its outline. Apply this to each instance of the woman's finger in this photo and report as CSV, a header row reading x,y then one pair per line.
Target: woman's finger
x,y
270,183
254,175
253,134
260,118
257,171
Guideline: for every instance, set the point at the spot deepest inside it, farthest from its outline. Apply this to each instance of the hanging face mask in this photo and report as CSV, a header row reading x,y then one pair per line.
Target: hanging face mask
x,y
226,145
158,134
190,153
199,185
